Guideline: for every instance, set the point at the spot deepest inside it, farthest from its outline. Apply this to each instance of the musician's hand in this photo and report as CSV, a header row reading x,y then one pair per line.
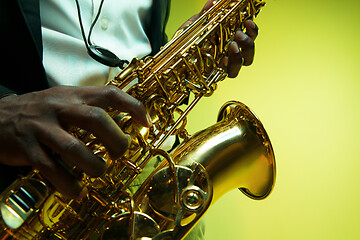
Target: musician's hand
x,y
34,123
241,50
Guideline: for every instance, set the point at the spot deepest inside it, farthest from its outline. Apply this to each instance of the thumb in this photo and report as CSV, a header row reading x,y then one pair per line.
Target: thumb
x,y
206,7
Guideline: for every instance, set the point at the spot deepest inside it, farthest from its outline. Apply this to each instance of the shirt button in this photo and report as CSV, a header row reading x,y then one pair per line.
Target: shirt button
x,y
104,24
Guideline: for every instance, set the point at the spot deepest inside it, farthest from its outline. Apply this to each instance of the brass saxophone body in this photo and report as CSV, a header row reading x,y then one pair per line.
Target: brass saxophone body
x,y
234,153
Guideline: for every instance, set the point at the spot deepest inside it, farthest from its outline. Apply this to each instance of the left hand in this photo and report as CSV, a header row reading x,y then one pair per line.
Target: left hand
x,y
241,50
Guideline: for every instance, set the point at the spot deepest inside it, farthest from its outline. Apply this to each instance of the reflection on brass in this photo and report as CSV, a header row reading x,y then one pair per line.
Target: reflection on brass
x,y
236,153
233,153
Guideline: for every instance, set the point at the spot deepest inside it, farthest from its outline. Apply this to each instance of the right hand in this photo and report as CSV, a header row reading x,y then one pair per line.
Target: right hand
x,y
34,122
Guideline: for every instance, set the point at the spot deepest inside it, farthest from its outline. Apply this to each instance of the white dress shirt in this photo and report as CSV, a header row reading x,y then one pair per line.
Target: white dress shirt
x,y
121,28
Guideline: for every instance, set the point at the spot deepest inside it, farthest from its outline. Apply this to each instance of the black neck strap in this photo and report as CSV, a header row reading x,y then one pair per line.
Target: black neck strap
x,y
98,53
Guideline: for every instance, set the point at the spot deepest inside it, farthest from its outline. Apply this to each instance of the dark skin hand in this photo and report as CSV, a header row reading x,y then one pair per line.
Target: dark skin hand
x,y
34,124
241,50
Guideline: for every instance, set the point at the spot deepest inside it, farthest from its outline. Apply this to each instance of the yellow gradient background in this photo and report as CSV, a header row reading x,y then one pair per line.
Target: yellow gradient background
x,y
305,87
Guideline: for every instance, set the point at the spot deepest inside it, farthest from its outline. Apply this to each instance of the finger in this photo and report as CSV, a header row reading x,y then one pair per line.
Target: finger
x,y
247,46
252,29
189,22
112,96
71,150
224,63
235,60
98,122
55,173
207,5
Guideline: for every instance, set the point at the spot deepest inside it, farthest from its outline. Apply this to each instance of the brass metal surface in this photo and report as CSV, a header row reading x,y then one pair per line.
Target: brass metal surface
x,y
234,153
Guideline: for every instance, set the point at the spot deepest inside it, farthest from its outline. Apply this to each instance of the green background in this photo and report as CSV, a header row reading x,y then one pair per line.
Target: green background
x,y
304,85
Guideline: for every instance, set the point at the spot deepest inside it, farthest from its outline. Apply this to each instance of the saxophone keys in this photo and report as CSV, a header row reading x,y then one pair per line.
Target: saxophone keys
x,y
125,226
187,192
19,204
193,198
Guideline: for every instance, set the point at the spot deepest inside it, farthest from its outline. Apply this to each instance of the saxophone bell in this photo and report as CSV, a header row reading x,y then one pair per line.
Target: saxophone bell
x,y
233,153
236,153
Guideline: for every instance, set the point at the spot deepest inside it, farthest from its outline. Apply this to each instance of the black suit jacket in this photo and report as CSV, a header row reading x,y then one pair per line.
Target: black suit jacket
x,y
22,70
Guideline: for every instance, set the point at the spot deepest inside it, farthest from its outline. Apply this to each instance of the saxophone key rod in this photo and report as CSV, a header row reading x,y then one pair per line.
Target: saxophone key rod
x,y
215,77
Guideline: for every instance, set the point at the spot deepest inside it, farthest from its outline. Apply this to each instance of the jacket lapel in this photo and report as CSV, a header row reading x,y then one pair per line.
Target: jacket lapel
x,y
30,9
159,17
20,23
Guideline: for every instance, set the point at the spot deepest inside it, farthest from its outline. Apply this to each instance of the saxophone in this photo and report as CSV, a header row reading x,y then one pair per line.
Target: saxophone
x,y
233,153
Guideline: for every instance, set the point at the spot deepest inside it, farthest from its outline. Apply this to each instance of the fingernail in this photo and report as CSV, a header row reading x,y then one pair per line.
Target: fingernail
x,y
235,47
251,24
149,120
128,138
226,62
241,36
84,192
